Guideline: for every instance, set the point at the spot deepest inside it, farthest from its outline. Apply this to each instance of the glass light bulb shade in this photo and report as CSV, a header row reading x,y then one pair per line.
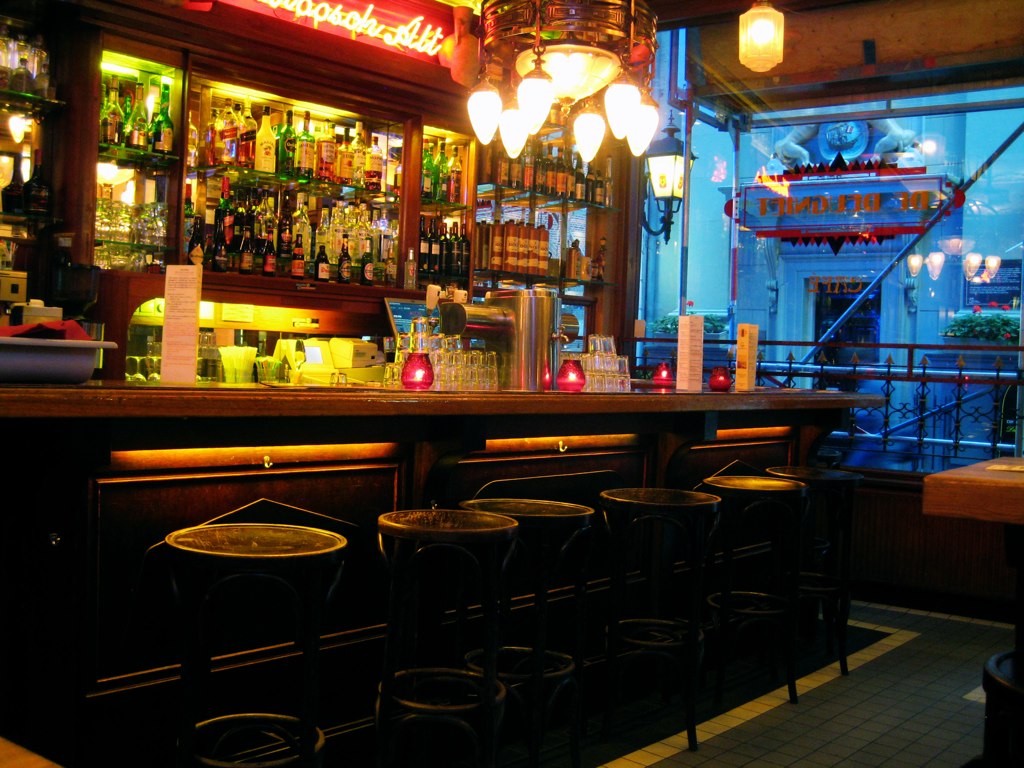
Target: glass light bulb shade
x,y
621,100
18,125
668,174
588,133
762,30
513,131
972,263
914,263
992,264
577,71
643,127
484,111
934,263
535,93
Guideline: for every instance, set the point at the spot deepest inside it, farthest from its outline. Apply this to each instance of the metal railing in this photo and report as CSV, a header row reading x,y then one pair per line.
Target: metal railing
x,y
944,405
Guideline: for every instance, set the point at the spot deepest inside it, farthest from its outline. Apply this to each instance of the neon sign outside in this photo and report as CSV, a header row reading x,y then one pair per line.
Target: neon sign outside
x,y
366,23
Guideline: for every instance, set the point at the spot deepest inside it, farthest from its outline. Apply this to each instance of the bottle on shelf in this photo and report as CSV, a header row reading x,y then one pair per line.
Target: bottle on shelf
x,y
112,118
454,192
300,222
590,182
323,240
427,174
579,193
194,248
366,261
240,221
323,265
192,154
286,146
305,150
137,127
298,263
284,238
225,214
265,149
190,209
409,275
41,81
208,253
247,137
36,191
161,129
448,238
344,171
441,172
424,250
212,146
563,175
599,189
21,77
326,153
344,261
551,173
269,254
358,146
218,257
246,253
374,168
229,132
530,166
436,247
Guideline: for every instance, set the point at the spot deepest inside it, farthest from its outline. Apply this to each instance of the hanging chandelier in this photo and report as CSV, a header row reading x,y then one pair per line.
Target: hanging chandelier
x,y
564,53
762,30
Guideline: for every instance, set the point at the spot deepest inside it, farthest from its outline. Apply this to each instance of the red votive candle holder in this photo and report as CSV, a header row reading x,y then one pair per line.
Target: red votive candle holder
x,y
663,375
570,376
417,373
720,380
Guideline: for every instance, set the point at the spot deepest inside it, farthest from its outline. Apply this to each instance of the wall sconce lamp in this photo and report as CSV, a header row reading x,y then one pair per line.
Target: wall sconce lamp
x,y
666,171
762,29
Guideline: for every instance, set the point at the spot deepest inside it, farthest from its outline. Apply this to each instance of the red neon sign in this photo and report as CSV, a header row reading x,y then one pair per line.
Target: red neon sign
x,y
414,36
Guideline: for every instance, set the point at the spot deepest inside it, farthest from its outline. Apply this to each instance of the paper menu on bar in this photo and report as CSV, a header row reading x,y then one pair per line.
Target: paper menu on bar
x,y
183,285
690,354
746,356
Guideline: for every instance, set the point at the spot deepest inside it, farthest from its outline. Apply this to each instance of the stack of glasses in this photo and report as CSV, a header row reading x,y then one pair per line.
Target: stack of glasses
x,y
605,370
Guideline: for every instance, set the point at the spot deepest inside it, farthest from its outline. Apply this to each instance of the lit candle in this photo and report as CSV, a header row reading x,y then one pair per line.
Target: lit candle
x,y
570,376
417,373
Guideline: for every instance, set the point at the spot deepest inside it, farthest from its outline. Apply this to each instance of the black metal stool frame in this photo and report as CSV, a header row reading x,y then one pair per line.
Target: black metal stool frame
x,y
631,513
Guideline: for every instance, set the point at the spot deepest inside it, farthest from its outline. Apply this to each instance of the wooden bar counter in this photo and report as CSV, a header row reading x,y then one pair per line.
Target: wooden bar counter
x,y
97,475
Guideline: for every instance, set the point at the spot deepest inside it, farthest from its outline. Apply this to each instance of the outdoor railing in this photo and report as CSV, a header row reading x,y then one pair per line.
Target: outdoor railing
x,y
944,405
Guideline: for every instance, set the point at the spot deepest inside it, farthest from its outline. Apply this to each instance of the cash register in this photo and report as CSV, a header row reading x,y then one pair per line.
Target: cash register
x,y
319,361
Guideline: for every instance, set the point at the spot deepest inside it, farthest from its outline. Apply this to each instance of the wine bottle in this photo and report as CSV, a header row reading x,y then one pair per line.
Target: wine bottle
x,y
36,192
427,174
286,146
137,131
162,128
424,252
12,198
194,251
269,255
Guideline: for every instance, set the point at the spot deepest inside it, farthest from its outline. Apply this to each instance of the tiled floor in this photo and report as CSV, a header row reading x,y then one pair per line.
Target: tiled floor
x,y
911,699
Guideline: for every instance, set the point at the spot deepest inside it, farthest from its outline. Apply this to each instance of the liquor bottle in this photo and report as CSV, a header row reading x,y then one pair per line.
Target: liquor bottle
x,y
298,265
463,253
301,224
579,182
551,173
424,251
409,276
247,137
503,169
358,147
436,248
366,261
246,253
323,265
211,139
326,151
265,151
269,254
530,167
113,121
218,259
161,129
286,146
498,246
21,77
448,238
323,240
305,151
137,128
284,238
374,168
390,262
194,249
564,175
455,178
599,188
345,170
190,209
208,254
226,213
192,156
344,261
441,172
590,181
230,131
427,174
240,221
36,192
515,172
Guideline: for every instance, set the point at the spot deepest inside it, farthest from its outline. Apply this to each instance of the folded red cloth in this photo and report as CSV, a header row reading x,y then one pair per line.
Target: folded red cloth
x,y
60,329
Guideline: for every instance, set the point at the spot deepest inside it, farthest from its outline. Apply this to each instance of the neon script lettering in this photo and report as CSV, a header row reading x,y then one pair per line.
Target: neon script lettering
x,y
410,36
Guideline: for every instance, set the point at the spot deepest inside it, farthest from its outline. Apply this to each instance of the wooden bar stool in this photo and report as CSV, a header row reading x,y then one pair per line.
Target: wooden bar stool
x,y
772,508
289,564
826,580
437,557
553,540
649,532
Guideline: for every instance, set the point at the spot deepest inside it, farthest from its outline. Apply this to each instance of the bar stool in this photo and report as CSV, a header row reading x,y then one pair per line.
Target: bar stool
x,y
552,540
297,564
649,531
1003,684
460,549
827,581
774,508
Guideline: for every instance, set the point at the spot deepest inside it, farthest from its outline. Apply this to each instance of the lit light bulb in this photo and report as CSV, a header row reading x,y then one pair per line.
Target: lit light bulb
x,y
972,263
643,127
484,111
992,264
934,262
914,263
588,132
535,93
18,125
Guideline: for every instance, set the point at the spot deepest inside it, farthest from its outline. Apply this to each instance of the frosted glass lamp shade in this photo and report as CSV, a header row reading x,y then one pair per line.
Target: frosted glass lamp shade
x,y
588,132
621,101
535,93
992,264
513,131
934,262
762,29
914,263
576,70
642,128
484,111
972,263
